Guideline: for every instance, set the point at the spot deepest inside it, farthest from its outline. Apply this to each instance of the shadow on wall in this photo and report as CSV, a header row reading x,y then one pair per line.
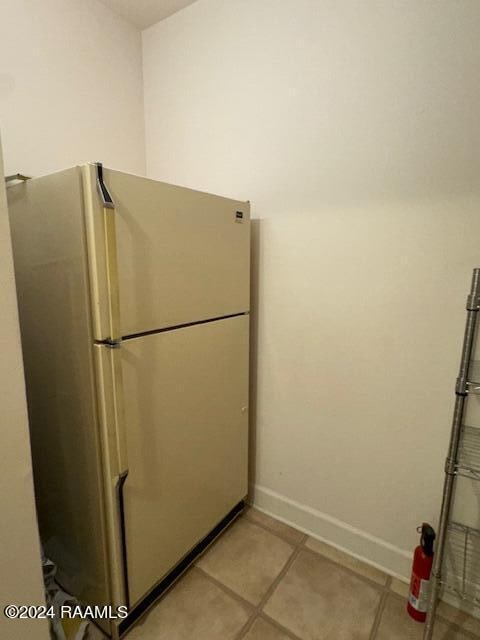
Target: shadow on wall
x,y
254,287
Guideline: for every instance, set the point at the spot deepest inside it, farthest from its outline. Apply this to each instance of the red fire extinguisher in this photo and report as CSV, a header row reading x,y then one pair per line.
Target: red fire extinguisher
x,y
421,569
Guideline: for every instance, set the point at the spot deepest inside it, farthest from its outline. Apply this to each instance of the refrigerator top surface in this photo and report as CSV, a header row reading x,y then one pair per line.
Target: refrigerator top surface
x,y
111,170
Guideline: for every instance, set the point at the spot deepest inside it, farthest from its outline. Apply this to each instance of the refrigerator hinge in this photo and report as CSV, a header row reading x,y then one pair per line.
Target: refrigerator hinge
x,y
108,342
107,199
113,344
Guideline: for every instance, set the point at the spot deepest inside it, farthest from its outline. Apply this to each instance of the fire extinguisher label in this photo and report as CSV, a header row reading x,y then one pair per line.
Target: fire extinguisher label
x,y
419,592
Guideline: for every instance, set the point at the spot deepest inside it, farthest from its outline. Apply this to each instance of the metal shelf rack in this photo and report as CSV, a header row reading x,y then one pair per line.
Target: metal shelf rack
x,y
457,556
468,458
461,566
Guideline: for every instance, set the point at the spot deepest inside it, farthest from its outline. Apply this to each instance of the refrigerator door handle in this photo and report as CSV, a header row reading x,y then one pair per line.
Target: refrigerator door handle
x,y
123,542
107,199
110,240
112,274
101,236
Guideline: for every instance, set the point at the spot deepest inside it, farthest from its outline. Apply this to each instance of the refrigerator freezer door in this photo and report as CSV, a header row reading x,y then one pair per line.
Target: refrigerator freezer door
x,y
186,394
182,255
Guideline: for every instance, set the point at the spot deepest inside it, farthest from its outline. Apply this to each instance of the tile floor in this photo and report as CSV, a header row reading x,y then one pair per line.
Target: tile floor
x,y
263,580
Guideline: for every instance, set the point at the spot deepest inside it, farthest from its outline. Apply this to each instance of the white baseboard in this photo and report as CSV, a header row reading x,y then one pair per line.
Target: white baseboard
x,y
360,544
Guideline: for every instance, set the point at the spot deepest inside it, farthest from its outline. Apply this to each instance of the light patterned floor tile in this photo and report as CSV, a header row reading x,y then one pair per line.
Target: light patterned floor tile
x,y
396,624
318,600
247,559
346,560
195,609
460,618
451,614
94,633
289,533
264,630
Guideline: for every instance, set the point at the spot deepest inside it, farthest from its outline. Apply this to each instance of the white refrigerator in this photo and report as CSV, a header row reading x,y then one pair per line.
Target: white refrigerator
x,y
134,312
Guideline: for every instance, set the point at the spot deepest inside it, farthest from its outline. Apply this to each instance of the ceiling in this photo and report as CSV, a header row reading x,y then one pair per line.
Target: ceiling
x,y
144,13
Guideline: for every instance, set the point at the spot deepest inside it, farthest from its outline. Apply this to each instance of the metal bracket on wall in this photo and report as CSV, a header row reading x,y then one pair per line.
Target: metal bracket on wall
x,y
17,177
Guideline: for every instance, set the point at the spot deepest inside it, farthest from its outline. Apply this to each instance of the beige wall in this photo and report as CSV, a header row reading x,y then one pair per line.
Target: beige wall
x,y
20,566
70,87
353,127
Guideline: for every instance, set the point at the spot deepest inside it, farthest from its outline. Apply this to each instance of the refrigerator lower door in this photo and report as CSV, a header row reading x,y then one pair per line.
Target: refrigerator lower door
x,y
186,395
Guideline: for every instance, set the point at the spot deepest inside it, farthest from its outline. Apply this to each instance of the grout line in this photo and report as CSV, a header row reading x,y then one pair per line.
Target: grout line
x,y
257,610
269,592
247,626
283,537
380,609
259,615
280,627
302,544
362,577
279,578
227,590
